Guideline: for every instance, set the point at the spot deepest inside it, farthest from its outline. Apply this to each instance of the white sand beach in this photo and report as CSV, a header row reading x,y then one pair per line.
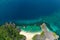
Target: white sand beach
x,y
29,35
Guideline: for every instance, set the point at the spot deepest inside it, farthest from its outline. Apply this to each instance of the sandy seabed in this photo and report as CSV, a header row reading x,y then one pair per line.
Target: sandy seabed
x,y
29,35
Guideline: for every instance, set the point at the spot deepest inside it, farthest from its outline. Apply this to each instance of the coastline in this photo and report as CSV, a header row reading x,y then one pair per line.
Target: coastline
x,y
28,34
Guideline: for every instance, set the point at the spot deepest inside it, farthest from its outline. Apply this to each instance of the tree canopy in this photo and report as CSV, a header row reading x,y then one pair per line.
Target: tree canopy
x,y
10,32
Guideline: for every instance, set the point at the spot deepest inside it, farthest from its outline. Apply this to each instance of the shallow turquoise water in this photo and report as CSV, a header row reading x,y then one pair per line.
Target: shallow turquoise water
x,y
31,11
31,28
52,20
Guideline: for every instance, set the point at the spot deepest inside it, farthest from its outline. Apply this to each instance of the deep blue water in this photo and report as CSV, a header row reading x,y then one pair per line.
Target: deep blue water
x,y
27,9
17,10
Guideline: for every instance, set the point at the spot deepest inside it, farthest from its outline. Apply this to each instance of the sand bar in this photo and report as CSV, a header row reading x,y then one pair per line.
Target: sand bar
x,y
29,35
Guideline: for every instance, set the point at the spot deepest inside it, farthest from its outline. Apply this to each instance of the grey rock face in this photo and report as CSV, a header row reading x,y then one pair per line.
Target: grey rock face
x,y
38,37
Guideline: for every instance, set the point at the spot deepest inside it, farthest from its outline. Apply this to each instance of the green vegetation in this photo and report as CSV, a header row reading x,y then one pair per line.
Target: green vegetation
x,y
10,32
41,36
54,34
34,37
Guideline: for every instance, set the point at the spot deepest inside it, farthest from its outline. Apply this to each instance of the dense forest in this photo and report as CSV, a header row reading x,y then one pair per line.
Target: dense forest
x,y
9,31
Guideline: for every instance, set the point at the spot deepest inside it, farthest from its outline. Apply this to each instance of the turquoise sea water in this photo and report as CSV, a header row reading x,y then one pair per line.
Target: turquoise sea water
x,y
28,12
